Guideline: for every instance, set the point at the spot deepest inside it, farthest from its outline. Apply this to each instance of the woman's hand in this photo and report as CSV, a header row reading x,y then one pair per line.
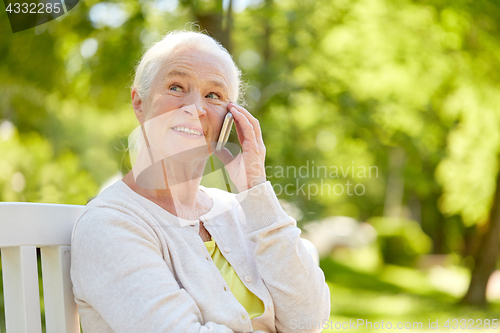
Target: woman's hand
x,y
247,169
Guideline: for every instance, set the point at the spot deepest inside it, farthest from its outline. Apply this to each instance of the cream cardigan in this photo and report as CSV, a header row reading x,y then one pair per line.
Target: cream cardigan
x,y
137,268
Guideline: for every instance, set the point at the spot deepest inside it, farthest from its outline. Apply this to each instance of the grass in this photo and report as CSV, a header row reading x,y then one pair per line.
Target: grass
x,y
397,294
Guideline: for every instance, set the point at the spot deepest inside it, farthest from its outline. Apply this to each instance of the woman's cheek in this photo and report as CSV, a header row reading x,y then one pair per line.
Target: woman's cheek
x,y
218,109
168,102
214,126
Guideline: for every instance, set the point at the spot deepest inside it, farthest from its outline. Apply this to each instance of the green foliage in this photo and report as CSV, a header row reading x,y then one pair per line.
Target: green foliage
x,y
401,241
32,173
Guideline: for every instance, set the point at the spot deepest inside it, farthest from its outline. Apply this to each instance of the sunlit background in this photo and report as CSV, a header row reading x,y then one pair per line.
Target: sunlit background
x,y
381,121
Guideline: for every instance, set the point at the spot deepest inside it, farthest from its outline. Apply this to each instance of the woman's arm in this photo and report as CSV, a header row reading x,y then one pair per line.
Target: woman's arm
x,y
295,282
297,285
118,269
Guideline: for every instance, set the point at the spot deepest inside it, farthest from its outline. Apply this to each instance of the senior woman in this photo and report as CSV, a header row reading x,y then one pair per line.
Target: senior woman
x,y
158,252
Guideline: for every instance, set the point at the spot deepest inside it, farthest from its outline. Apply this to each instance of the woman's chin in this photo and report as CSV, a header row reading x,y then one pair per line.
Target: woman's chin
x,y
187,153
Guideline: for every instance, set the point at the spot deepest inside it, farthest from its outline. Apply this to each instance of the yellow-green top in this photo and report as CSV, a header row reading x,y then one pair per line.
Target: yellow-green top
x,y
253,304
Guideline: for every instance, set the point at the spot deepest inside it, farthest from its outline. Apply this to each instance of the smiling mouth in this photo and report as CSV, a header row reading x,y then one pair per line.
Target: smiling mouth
x,y
186,130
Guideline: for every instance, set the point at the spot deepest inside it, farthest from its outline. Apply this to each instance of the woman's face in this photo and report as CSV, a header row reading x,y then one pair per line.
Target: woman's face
x,y
186,106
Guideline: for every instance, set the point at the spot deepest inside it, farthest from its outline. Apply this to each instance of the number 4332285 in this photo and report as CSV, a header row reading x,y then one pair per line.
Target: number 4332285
x,y
33,8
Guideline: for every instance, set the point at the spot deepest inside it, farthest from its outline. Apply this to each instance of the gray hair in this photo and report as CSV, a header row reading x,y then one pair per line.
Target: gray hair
x,y
182,40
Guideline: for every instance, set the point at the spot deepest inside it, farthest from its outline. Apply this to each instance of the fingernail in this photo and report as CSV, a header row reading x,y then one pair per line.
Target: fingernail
x,y
233,109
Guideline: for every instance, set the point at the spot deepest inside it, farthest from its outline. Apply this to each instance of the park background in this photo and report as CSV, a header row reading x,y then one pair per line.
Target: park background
x,y
408,88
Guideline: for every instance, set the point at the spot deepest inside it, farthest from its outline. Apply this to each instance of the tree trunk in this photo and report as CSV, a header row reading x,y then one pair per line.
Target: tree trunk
x,y
486,257
266,45
395,186
212,21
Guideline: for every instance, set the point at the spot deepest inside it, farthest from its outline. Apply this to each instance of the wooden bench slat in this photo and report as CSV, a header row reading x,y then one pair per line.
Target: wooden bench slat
x,y
21,295
61,313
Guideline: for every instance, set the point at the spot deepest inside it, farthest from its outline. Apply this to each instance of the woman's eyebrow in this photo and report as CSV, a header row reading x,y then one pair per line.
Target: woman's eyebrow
x,y
176,72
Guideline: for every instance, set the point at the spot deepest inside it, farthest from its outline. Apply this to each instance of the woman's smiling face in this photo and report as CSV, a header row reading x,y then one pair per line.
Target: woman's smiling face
x,y
186,104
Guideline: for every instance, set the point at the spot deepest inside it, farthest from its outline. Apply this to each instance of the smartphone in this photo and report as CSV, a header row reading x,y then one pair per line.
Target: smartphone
x,y
224,132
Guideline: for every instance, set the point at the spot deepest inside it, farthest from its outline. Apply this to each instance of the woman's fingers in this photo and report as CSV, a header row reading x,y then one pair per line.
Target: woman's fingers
x,y
224,155
252,120
247,169
247,129
239,131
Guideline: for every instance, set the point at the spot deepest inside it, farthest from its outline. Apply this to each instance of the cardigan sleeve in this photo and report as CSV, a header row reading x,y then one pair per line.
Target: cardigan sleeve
x,y
297,285
117,267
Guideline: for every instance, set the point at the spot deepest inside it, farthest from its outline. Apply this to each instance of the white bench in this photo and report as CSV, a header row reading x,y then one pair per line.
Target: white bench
x,y
23,228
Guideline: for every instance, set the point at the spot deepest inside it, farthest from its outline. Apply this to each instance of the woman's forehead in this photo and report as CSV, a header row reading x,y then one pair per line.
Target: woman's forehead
x,y
195,63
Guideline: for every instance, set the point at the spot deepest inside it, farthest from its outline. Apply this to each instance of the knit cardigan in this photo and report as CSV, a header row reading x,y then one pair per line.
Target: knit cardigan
x,y
135,267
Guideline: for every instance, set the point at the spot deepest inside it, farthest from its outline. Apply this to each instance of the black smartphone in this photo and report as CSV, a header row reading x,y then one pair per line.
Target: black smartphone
x,y
225,131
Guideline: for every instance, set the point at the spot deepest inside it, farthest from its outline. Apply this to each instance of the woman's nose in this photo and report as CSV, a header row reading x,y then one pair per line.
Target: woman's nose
x,y
194,111
196,106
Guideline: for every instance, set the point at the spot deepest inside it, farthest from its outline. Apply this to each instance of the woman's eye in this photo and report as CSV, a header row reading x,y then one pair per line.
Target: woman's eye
x,y
176,87
214,94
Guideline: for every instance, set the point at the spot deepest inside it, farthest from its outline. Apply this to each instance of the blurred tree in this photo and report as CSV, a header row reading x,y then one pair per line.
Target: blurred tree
x,y
211,17
487,254
469,171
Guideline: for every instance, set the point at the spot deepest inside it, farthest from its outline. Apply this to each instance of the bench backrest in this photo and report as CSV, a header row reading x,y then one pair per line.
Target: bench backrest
x,y
24,227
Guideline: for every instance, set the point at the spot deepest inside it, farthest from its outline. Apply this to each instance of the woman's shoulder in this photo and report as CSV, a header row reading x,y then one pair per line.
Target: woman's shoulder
x,y
114,193
111,205
118,197
105,224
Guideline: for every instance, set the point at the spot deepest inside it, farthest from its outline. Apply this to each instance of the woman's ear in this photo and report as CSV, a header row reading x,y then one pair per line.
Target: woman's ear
x,y
138,105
